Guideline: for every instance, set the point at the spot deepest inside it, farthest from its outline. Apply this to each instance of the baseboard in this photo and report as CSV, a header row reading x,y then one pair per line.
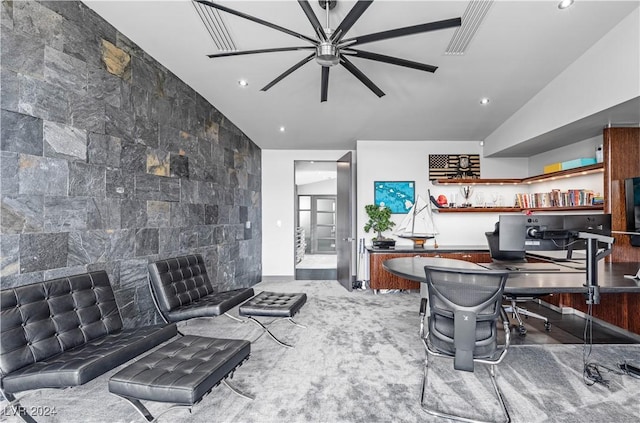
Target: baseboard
x,y
610,326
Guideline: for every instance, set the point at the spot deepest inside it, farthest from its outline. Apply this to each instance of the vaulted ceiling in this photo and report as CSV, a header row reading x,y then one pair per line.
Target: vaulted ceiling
x,y
519,47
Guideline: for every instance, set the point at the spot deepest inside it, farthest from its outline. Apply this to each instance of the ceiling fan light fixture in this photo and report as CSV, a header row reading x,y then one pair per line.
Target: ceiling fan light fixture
x,y
564,4
327,54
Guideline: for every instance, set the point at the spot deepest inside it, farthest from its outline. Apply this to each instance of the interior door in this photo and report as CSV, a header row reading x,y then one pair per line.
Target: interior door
x,y
345,242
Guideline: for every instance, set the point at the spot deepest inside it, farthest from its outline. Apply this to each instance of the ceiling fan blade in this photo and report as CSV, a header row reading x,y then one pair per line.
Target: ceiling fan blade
x,y
262,50
315,23
389,59
324,84
354,14
288,72
401,32
361,76
257,20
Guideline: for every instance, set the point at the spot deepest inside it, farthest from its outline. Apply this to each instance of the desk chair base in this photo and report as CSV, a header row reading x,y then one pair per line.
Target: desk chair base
x,y
516,312
438,413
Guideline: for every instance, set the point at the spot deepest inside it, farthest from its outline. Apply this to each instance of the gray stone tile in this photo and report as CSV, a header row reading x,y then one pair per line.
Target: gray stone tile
x,y
133,156
188,240
13,281
210,214
86,113
168,240
65,214
9,89
158,214
104,213
64,141
43,251
133,213
119,122
41,99
169,189
122,244
42,175
102,86
64,272
179,166
176,141
6,14
205,235
146,241
104,150
31,58
133,273
65,71
189,192
86,180
33,18
9,255
22,213
140,102
147,187
146,131
145,75
87,247
75,37
20,133
119,183
9,180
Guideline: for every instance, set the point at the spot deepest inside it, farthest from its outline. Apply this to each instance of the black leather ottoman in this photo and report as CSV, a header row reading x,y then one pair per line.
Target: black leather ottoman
x,y
181,372
273,304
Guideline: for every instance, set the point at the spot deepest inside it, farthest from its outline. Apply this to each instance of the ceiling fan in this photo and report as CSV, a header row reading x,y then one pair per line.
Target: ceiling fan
x,y
332,48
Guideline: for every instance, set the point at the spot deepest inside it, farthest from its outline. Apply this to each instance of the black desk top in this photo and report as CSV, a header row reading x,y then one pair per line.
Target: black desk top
x,y
528,281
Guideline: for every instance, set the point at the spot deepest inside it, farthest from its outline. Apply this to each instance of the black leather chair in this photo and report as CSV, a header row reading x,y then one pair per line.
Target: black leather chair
x,y
465,307
502,256
181,290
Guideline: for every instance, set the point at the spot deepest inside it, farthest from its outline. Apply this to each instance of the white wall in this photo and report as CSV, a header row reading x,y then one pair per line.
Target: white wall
x,y
582,149
278,206
408,161
604,76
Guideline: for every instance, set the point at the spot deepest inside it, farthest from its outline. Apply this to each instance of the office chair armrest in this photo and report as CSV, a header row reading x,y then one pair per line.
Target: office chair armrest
x,y
423,306
507,329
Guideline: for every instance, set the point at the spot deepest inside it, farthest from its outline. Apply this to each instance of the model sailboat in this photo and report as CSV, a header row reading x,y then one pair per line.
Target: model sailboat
x,y
418,225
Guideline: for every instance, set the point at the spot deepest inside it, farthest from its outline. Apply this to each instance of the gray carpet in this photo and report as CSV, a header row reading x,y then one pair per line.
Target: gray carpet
x,y
360,360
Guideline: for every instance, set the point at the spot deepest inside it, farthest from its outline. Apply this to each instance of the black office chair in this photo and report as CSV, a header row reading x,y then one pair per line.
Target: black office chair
x,y
466,306
502,256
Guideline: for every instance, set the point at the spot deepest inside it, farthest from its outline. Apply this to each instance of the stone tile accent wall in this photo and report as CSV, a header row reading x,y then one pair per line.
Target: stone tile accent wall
x,y
109,161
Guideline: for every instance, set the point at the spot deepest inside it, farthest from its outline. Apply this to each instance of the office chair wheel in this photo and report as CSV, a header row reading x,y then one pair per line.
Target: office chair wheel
x,y
547,326
522,331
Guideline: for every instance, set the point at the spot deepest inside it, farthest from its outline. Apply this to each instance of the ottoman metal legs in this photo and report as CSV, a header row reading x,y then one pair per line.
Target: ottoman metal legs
x,y
280,306
181,372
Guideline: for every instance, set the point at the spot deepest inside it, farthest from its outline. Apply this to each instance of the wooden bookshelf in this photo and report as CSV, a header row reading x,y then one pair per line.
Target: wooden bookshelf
x,y
513,209
578,171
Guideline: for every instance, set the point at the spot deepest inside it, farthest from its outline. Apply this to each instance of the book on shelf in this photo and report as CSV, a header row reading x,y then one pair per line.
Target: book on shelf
x,y
556,198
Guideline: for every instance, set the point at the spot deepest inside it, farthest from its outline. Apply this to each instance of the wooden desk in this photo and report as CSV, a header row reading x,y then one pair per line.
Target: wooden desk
x,y
620,302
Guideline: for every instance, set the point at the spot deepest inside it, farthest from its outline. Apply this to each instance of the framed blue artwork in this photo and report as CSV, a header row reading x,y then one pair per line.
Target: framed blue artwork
x,y
397,195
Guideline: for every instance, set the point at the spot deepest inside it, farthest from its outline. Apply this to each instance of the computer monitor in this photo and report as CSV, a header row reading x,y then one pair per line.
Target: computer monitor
x,y
550,232
533,233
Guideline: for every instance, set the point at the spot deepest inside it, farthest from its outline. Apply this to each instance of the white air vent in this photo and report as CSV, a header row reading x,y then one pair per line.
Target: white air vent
x,y
215,26
471,20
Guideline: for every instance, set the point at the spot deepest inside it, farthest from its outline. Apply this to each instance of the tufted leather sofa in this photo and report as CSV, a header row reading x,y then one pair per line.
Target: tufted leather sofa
x,y
65,332
182,290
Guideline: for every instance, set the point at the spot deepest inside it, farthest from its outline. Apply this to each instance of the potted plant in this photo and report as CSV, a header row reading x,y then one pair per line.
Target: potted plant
x,y
379,221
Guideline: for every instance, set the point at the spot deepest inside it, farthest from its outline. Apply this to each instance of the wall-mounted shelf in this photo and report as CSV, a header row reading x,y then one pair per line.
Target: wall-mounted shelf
x,y
513,209
578,171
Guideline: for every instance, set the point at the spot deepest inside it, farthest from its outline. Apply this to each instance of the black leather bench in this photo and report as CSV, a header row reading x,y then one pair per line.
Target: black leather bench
x,y
181,372
63,333
273,304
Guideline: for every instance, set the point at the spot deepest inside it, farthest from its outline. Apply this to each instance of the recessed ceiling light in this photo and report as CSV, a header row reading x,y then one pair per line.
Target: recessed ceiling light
x,y
484,101
564,4
243,82
282,129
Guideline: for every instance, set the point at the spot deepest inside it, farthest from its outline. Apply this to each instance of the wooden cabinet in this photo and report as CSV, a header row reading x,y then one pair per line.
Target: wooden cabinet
x,y
381,279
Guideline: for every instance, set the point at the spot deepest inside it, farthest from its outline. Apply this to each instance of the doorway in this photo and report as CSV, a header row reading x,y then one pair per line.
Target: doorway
x,y
315,219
